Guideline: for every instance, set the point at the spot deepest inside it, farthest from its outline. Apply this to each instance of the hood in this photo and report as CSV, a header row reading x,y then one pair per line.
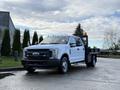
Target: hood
x,y
46,46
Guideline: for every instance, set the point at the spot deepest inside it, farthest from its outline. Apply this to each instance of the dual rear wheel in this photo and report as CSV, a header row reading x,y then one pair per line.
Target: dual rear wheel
x,y
93,60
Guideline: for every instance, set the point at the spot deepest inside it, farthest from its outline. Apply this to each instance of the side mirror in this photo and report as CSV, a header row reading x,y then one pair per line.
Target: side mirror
x,y
72,44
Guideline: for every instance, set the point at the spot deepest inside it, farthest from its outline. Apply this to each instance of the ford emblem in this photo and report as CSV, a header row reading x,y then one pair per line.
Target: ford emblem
x,y
35,53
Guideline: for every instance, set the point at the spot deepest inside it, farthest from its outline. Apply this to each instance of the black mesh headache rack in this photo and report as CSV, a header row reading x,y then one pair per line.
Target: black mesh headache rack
x,y
89,52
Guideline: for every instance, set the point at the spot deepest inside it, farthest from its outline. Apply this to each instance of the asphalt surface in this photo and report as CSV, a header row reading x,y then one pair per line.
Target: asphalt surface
x,y
105,76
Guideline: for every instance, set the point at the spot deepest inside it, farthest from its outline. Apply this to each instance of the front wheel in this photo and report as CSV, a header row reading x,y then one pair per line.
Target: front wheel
x,y
30,70
64,65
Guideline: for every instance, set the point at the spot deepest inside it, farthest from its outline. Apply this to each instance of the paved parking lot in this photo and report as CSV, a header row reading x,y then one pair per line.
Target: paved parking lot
x,y
106,76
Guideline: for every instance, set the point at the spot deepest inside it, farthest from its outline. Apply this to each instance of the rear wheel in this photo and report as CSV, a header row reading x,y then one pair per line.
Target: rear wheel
x,y
64,65
93,61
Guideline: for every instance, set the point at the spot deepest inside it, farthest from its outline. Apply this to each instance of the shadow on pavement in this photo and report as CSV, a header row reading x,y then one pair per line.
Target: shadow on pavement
x,y
53,72
3,75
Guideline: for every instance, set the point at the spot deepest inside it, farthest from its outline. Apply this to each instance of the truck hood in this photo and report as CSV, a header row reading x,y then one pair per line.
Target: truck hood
x,y
45,46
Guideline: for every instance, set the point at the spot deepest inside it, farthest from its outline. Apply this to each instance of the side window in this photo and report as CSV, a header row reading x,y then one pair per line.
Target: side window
x,y
72,41
78,42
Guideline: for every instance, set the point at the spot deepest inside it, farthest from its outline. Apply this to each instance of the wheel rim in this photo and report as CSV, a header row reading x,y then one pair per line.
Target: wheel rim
x,y
64,65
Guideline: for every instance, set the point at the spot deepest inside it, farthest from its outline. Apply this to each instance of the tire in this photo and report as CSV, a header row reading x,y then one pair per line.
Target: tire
x,y
64,65
30,70
93,61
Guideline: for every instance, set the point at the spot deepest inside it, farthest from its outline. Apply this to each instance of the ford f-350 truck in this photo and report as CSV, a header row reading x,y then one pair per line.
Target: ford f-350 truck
x,y
59,52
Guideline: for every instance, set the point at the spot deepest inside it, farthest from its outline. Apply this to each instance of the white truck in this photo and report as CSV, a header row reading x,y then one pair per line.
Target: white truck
x,y
60,52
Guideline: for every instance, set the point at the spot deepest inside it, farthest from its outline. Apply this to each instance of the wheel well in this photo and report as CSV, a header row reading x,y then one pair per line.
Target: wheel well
x,y
65,55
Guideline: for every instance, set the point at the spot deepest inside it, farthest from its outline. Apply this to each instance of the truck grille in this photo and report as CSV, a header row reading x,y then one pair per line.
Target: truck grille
x,y
38,54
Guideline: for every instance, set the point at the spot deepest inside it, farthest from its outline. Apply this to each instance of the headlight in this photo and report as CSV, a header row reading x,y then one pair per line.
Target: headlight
x,y
24,53
54,53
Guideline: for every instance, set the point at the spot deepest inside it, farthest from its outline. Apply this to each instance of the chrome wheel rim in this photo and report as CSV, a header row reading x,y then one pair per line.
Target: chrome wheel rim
x,y
64,65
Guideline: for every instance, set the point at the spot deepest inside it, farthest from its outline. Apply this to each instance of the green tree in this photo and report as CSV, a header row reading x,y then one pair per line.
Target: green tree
x,y
26,39
6,47
40,38
79,31
35,38
16,41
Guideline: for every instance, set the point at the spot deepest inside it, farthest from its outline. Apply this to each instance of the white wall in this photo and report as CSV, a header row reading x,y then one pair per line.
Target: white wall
x,y
11,28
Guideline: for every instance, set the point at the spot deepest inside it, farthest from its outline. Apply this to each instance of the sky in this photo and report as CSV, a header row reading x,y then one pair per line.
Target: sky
x,y
62,16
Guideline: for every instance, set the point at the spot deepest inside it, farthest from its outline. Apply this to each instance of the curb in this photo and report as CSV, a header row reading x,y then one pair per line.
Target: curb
x,y
11,69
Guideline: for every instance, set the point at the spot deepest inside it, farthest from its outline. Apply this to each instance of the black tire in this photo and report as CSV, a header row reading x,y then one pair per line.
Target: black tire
x,y
64,65
30,70
93,61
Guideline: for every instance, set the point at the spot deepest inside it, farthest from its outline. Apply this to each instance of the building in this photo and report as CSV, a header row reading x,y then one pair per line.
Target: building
x,y
6,23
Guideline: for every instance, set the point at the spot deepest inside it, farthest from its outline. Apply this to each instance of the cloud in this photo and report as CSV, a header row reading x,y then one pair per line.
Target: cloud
x,y
37,6
61,10
56,16
92,8
34,8
97,26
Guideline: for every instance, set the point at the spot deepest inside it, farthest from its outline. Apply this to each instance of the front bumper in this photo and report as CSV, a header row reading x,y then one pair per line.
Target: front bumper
x,y
41,63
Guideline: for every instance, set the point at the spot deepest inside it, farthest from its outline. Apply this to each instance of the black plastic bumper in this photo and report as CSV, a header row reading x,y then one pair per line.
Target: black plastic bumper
x,y
41,63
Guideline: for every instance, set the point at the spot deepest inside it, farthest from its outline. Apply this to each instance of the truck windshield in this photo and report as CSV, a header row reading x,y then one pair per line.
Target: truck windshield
x,y
55,40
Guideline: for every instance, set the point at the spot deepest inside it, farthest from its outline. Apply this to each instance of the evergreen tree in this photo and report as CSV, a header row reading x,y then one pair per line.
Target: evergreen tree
x,y
16,41
79,31
40,38
28,37
6,47
25,40
35,38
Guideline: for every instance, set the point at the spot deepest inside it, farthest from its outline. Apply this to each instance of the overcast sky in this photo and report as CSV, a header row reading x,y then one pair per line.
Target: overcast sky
x,y
56,16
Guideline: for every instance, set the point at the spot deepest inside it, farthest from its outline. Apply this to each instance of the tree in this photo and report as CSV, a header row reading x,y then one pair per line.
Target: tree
x,y
119,43
79,31
26,39
6,47
111,40
40,38
16,41
35,38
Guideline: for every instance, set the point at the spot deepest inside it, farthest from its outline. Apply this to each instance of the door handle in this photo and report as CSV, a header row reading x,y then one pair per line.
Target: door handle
x,y
78,49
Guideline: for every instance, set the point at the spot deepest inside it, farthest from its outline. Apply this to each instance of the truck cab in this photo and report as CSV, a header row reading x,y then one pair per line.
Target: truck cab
x,y
54,51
